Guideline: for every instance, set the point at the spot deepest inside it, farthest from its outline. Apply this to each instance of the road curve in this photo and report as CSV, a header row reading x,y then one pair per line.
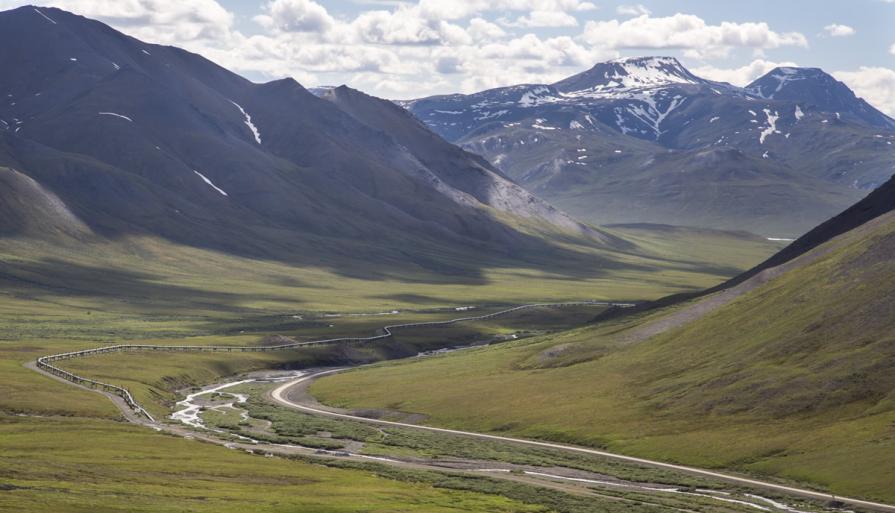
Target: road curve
x,y
278,395
45,363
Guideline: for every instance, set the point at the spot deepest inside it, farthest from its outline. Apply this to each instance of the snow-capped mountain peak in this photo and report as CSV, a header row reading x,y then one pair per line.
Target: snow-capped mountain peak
x,y
815,88
782,77
627,74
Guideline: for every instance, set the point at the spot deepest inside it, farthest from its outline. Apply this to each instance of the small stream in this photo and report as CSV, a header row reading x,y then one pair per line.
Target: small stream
x,y
191,409
189,414
768,504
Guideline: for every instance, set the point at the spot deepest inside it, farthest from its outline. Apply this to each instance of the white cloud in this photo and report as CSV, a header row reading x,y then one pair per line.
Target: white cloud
x,y
406,51
739,76
418,47
632,10
557,51
837,30
158,21
295,16
483,30
543,19
405,26
461,9
687,32
892,48
874,84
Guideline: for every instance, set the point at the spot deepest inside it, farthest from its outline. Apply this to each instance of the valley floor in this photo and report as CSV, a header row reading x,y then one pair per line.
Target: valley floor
x,y
791,380
65,449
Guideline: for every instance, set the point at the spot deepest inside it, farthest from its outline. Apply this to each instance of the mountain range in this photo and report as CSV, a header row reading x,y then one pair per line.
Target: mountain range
x,y
104,135
149,197
644,140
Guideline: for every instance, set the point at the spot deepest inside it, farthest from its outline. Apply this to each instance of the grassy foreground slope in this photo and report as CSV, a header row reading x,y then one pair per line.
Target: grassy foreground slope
x,y
78,464
63,449
793,379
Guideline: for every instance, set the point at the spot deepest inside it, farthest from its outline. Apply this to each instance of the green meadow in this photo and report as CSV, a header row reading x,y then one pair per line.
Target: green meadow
x,y
790,381
66,449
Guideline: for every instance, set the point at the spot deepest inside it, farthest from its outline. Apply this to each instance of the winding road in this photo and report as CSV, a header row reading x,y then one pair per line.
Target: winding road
x,y
138,415
279,395
46,363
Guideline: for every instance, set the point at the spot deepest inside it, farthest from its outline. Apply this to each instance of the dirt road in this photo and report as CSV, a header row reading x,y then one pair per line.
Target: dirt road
x,y
279,395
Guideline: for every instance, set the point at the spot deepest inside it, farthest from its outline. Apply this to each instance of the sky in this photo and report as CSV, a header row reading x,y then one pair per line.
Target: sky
x,y
402,49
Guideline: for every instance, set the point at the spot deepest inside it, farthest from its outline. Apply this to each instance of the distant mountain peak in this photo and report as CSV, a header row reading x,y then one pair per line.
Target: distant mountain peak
x,y
629,73
782,77
795,70
648,60
816,88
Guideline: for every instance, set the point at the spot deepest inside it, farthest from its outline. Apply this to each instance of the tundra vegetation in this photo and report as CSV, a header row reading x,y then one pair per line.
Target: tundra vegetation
x,y
64,448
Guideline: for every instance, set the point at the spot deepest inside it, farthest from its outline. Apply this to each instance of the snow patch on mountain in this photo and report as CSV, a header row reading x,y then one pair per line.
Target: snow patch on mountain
x,y
490,115
772,126
248,122
51,20
653,115
651,71
210,183
622,77
534,96
115,114
540,126
620,121
783,76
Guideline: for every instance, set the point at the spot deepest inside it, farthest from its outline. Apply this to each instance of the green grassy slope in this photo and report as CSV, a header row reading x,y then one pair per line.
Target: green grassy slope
x,y
64,449
81,465
793,379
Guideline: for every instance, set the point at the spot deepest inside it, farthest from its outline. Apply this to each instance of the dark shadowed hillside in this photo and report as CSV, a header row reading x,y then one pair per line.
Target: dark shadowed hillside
x,y
137,139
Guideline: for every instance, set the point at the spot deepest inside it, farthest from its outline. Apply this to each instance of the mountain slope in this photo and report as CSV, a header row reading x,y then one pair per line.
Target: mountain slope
x,y
140,139
816,89
789,377
617,134
880,201
459,169
27,209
